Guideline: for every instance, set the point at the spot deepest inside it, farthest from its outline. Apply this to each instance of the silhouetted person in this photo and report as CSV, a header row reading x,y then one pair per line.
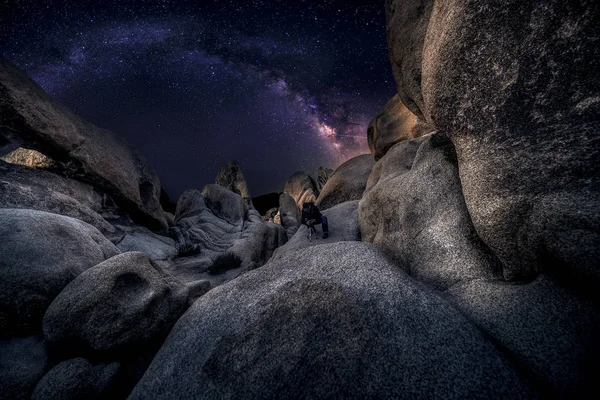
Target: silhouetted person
x,y
311,216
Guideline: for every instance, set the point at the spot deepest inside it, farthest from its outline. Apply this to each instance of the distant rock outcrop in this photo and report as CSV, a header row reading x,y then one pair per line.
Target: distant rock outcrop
x,y
85,151
414,210
347,182
322,177
329,321
391,125
265,202
28,158
40,254
230,176
289,216
302,188
219,235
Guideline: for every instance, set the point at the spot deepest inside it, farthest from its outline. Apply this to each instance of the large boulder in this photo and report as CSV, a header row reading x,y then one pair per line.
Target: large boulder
x,y
230,176
221,236
289,216
331,321
516,86
24,187
393,124
41,254
23,362
347,182
76,379
123,302
302,187
88,153
414,210
343,227
547,331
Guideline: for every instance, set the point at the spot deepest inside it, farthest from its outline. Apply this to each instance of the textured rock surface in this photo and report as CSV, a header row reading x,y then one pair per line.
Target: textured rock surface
x,y
23,362
347,182
393,124
343,226
414,210
289,216
28,158
218,232
302,188
157,247
406,28
23,187
552,335
306,326
124,301
516,86
76,379
41,254
230,176
322,177
92,154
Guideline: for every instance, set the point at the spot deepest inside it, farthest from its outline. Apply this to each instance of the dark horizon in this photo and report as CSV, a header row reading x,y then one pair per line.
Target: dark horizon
x,y
193,86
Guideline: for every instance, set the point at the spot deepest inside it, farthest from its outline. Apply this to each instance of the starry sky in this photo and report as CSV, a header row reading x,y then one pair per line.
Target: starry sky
x,y
277,85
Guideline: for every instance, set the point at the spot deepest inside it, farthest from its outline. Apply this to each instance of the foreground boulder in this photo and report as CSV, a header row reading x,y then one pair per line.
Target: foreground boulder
x,y
548,332
302,188
218,236
23,362
76,379
331,321
124,301
347,182
230,176
88,153
343,227
393,124
524,117
41,254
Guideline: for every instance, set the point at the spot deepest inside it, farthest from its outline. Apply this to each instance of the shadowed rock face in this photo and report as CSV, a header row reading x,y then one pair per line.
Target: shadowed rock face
x,y
414,210
516,87
391,125
23,362
230,176
322,177
302,188
89,153
347,182
289,216
40,254
330,321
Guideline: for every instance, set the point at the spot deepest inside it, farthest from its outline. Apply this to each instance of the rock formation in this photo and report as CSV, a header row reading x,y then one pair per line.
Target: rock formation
x,y
393,124
86,152
414,210
289,216
230,176
517,93
322,177
347,182
302,188
218,232
40,254
338,317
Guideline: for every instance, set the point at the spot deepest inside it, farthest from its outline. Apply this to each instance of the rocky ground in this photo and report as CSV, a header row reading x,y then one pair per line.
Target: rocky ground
x,y
462,261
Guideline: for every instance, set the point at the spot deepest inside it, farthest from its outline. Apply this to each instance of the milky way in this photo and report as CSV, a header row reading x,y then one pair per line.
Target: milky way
x,y
278,86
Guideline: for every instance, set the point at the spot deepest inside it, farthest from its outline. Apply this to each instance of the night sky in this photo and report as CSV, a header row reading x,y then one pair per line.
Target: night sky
x,y
279,86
